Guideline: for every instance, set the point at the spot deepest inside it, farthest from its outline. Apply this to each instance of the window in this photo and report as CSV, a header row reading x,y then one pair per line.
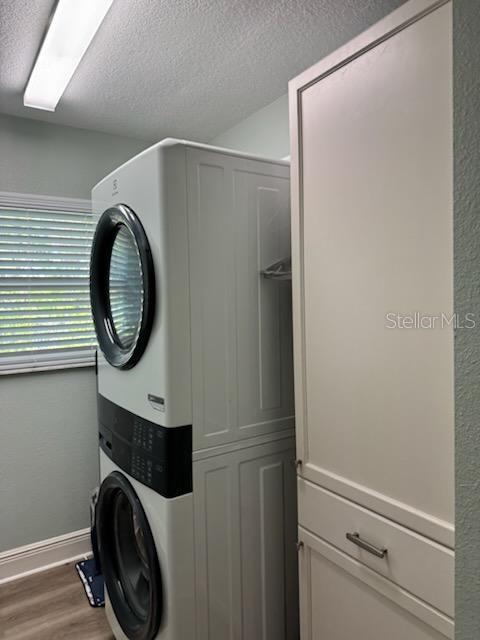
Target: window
x,y
45,317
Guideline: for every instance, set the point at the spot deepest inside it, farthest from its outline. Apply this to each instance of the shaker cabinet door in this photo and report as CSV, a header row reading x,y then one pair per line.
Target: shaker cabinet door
x,y
372,253
341,600
241,322
414,563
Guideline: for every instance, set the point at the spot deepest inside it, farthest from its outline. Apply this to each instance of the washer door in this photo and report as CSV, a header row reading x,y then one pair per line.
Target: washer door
x,y
122,286
129,559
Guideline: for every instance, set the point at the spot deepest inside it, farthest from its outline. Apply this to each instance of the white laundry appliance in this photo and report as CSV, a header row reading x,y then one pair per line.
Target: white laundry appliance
x,y
196,515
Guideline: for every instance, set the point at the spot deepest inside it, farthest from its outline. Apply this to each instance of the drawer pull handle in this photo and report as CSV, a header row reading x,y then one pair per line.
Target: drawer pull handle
x,y
363,544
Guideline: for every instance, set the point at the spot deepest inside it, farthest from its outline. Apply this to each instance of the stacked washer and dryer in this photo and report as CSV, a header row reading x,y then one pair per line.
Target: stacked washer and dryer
x,y
196,517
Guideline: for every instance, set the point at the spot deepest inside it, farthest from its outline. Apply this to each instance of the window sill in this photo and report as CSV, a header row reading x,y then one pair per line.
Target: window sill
x,y
24,364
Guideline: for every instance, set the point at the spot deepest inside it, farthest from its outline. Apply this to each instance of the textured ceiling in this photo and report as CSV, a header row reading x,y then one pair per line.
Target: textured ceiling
x,y
186,68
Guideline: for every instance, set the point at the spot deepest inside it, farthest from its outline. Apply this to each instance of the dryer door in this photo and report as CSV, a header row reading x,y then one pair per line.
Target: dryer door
x,y
122,286
128,559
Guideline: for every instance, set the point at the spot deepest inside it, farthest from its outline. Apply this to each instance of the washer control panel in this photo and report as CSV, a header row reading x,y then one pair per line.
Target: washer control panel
x,y
142,469
143,434
159,457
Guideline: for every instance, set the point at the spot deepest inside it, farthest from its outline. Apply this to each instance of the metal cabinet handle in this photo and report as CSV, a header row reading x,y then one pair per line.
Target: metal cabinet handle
x,y
363,544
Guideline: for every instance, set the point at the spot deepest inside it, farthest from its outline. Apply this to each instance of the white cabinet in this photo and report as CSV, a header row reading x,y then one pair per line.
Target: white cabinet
x,y
241,322
343,600
245,535
372,250
414,563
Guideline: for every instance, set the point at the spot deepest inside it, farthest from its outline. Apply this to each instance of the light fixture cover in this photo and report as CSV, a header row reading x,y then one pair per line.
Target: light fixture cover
x,y
71,30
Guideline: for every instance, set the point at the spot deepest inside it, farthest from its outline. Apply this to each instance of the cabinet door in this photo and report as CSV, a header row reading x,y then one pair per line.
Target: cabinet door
x,y
245,544
341,600
373,270
242,354
414,563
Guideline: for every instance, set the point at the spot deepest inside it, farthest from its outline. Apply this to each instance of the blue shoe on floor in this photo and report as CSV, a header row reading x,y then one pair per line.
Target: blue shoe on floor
x,y
92,582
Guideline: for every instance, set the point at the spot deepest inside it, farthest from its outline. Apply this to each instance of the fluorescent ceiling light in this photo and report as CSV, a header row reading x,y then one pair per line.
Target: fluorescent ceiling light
x,y
71,31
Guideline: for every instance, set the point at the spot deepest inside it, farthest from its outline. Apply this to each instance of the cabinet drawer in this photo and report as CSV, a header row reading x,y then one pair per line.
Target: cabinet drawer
x,y
341,599
417,564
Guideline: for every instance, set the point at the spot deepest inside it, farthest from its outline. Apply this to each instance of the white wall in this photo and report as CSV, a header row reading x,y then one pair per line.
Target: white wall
x,y
264,133
48,423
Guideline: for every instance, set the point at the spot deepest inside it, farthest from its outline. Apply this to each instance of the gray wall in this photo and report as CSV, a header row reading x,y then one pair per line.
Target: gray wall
x,y
264,133
41,158
466,21
48,438
48,454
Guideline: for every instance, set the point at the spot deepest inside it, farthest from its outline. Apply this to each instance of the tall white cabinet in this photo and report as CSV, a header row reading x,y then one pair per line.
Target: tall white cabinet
x,y
372,251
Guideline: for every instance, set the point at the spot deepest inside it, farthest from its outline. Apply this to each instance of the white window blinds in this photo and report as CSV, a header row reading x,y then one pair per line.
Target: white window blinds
x,y
45,316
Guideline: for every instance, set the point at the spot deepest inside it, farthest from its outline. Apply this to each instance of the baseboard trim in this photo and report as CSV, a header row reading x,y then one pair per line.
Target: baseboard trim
x,y
46,554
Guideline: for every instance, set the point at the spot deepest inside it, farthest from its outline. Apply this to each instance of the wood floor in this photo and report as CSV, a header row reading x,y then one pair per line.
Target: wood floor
x,y
50,606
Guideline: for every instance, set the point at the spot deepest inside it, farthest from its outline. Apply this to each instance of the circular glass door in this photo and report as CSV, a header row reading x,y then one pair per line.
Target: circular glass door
x,y
125,287
128,559
122,286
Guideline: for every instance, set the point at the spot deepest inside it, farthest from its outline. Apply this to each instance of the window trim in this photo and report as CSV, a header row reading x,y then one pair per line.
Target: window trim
x,y
53,361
